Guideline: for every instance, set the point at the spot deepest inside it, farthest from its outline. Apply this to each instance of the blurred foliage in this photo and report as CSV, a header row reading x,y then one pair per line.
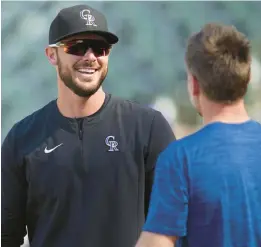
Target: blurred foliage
x,y
147,62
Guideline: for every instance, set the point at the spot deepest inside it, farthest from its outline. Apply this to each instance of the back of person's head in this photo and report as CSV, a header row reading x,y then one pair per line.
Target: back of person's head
x,y
218,57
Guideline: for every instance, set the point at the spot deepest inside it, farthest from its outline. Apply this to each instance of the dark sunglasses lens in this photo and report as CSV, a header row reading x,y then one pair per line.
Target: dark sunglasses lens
x,y
79,49
100,50
76,49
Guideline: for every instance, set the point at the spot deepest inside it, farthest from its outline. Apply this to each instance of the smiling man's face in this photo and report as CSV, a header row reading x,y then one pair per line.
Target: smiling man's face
x,y
85,72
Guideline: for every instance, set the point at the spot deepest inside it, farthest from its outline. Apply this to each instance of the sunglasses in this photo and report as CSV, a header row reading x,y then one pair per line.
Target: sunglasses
x,y
80,47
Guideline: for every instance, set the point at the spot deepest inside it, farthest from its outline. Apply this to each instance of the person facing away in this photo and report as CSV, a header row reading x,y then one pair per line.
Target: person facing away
x,y
207,189
78,172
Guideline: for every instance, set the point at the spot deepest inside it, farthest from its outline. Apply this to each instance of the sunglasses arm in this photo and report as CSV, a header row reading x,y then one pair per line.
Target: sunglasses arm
x,y
55,45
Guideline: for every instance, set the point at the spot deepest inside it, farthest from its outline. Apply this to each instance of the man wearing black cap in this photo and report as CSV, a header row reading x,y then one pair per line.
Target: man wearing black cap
x,y
78,172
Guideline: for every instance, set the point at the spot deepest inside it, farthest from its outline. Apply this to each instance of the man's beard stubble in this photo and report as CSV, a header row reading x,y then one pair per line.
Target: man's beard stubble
x,y
68,81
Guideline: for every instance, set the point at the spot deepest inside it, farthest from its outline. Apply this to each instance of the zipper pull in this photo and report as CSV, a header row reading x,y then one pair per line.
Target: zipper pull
x,y
81,134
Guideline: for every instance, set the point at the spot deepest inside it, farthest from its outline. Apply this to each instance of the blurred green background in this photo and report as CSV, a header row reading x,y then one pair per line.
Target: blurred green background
x,y
147,65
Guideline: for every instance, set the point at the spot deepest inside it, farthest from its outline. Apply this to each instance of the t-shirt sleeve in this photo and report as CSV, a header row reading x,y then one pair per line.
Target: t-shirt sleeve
x,y
169,200
161,135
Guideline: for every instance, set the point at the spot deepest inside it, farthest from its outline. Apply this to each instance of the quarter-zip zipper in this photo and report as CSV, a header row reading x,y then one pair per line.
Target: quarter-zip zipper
x,y
80,128
80,134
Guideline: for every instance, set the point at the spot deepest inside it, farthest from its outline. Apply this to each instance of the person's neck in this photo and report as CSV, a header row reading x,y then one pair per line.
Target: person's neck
x,y
234,113
73,106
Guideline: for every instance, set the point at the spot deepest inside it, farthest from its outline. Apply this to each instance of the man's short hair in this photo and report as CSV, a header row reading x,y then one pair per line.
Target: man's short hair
x,y
219,58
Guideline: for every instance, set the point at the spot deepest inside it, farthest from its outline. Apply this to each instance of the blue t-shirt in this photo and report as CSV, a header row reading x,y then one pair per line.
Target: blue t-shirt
x,y
207,188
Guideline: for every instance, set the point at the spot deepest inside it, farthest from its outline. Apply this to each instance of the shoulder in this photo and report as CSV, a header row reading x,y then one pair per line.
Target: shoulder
x,y
132,108
184,147
26,128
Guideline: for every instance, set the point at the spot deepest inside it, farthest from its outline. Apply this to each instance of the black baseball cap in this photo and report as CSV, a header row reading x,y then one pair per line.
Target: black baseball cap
x,y
79,19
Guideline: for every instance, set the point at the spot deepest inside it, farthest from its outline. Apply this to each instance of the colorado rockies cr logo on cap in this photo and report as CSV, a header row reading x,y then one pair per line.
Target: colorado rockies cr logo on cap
x,y
109,141
85,14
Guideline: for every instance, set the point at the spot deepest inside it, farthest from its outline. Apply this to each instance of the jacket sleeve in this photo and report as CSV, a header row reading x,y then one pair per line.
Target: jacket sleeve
x,y
13,195
161,136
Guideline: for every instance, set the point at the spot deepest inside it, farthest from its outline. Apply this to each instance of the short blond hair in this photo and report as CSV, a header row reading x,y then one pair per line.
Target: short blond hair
x,y
219,58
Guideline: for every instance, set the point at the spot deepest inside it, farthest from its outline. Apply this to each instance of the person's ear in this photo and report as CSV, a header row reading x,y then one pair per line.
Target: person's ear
x,y
51,54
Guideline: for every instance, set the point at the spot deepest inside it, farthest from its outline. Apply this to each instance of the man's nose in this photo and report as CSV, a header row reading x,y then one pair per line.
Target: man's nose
x,y
89,55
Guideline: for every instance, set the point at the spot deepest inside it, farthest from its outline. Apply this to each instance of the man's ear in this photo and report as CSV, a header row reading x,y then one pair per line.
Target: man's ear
x,y
51,54
195,86
249,75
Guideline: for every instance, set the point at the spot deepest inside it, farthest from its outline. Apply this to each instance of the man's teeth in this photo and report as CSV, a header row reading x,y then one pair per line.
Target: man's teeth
x,y
89,71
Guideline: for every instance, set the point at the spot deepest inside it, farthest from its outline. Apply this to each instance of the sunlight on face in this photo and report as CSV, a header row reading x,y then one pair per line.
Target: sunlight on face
x,y
84,75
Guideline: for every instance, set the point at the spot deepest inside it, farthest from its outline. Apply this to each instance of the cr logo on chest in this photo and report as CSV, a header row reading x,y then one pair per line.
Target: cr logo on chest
x,y
110,142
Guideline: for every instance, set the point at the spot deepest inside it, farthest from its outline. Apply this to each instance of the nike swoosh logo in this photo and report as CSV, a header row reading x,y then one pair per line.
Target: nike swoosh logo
x,y
47,151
